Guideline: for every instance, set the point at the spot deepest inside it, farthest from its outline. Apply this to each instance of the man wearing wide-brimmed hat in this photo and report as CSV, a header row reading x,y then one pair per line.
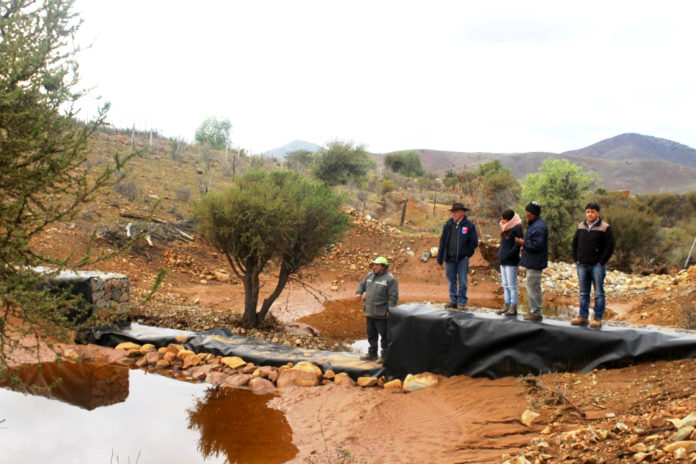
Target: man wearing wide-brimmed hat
x,y
458,243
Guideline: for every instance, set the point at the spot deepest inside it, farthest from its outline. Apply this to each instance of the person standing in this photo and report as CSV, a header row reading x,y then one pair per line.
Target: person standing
x,y
458,243
535,257
593,245
509,259
381,293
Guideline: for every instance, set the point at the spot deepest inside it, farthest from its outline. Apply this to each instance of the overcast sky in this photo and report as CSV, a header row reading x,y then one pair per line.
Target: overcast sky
x,y
495,76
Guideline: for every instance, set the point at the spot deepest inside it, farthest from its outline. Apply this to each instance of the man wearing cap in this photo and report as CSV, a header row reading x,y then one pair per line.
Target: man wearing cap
x,y
381,293
535,257
458,243
593,245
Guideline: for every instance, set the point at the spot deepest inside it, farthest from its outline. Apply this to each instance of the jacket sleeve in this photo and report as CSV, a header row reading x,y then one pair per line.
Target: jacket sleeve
x,y
362,286
534,241
473,241
575,245
440,249
608,246
392,293
514,251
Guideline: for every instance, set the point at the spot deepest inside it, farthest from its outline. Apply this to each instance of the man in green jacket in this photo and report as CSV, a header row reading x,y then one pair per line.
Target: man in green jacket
x,y
381,293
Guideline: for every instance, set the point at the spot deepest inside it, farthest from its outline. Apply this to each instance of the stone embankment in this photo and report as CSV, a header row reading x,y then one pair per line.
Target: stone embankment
x,y
234,372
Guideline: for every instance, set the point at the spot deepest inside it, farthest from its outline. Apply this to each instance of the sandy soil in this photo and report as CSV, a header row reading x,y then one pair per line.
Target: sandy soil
x,y
459,420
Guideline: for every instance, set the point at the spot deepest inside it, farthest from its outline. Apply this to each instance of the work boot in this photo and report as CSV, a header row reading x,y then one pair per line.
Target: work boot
x,y
512,310
461,307
451,306
579,321
533,317
596,324
503,310
369,357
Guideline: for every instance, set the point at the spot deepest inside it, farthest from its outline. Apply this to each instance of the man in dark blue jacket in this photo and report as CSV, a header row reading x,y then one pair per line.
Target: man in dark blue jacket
x,y
535,257
458,243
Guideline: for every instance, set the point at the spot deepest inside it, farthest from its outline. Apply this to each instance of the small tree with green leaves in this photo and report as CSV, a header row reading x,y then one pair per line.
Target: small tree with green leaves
x,y
341,163
499,187
271,216
300,160
44,176
560,187
406,163
214,132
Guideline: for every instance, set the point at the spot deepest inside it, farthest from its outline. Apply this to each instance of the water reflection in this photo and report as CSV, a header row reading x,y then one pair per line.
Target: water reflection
x,y
84,384
239,424
131,416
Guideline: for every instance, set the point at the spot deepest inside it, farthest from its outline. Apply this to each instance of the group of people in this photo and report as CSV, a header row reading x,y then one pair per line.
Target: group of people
x,y
592,247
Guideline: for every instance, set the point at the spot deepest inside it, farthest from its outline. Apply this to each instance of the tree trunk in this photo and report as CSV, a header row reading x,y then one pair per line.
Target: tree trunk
x,y
280,285
251,297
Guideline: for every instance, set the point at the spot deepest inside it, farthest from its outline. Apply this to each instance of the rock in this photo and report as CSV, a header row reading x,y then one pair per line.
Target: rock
x,y
216,378
70,354
127,346
301,329
395,384
201,372
329,375
302,378
419,381
261,385
146,348
235,380
174,348
181,338
133,353
688,445
221,276
344,379
169,356
425,256
682,433
152,357
233,362
163,363
266,372
182,354
308,367
528,417
367,381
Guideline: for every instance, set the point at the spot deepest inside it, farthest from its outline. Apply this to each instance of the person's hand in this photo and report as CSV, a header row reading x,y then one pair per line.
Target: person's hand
x,y
358,297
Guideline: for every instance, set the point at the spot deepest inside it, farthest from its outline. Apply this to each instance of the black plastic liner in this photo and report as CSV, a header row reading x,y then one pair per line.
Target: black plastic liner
x,y
448,343
222,342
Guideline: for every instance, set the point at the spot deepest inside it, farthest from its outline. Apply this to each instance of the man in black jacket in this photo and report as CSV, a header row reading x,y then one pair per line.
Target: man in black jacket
x,y
458,242
593,245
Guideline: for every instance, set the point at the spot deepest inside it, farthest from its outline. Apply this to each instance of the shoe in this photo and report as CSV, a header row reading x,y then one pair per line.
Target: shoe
x,y
512,310
369,357
503,310
579,321
461,307
451,306
596,323
533,317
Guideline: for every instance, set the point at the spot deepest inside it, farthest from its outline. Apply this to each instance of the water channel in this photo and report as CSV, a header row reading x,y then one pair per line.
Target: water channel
x,y
98,413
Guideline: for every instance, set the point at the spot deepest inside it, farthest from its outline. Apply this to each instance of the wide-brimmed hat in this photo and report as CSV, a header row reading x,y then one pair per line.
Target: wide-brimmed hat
x,y
459,207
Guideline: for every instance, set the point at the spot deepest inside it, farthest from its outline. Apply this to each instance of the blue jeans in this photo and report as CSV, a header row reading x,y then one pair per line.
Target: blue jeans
x,y
457,273
589,275
508,275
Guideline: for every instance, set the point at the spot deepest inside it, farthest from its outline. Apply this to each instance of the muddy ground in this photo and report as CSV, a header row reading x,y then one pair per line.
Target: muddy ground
x,y
602,416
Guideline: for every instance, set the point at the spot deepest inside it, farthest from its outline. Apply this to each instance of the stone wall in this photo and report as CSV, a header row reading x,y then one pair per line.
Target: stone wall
x,y
103,289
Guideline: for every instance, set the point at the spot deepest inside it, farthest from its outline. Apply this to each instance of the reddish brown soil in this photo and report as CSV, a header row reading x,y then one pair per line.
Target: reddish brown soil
x,y
459,420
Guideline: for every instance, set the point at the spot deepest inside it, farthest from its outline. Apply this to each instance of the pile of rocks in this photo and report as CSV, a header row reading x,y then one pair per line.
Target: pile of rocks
x,y
234,372
563,278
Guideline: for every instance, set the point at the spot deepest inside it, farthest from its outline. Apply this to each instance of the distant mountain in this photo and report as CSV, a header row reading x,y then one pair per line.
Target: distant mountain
x,y
635,162
281,152
634,146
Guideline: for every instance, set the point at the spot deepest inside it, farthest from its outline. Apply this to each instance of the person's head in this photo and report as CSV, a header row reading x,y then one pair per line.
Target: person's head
x,y
379,264
458,211
507,215
592,212
532,210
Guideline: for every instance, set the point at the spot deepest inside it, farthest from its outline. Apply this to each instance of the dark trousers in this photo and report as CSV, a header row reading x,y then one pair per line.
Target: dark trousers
x,y
376,327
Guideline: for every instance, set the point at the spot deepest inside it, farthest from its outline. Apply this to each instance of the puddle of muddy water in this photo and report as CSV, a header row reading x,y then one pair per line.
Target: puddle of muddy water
x,y
101,413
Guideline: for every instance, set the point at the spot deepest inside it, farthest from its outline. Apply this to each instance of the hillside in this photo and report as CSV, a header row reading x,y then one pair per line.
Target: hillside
x,y
639,163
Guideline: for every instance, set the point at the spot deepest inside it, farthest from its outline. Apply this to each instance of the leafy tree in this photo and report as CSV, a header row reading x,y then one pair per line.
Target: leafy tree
x,y
271,215
341,162
43,162
406,163
500,188
300,160
560,188
214,132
